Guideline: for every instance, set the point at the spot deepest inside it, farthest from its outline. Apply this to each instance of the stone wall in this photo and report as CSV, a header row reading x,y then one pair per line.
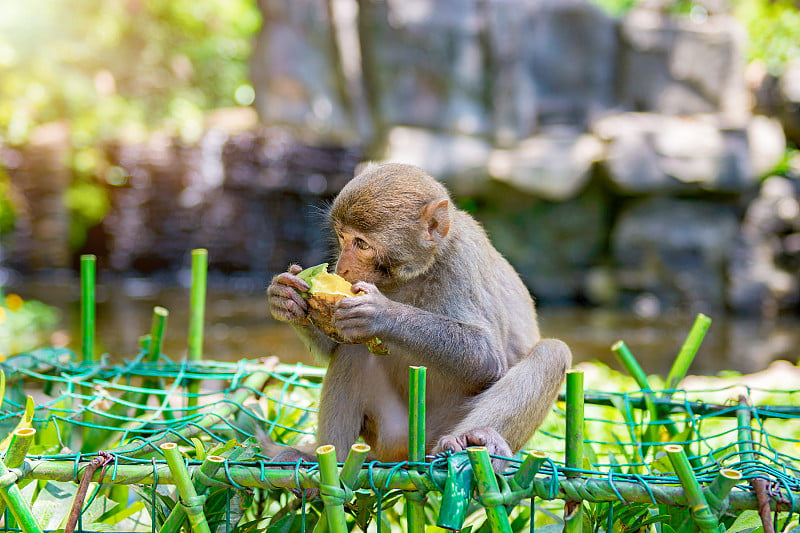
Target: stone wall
x,y
613,161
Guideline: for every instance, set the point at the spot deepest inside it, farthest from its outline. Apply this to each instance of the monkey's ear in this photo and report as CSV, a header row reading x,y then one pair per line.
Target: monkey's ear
x,y
436,220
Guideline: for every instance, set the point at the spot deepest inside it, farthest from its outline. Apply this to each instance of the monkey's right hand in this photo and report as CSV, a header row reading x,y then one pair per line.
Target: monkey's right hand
x,y
285,301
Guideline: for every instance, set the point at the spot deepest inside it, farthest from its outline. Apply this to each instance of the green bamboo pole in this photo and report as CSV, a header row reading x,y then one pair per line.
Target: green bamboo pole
x,y
456,494
197,311
415,500
573,510
192,504
528,470
744,431
154,344
330,489
416,414
208,468
88,328
21,440
353,463
349,476
701,513
687,352
490,496
12,496
88,267
631,365
635,370
590,489
717,492
157,328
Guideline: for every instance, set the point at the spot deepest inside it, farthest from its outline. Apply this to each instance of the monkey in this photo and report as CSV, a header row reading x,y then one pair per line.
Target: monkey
x,y
436,292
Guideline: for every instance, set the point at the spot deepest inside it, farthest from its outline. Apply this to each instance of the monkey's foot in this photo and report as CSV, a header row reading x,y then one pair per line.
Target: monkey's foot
x,y
293,456
494,442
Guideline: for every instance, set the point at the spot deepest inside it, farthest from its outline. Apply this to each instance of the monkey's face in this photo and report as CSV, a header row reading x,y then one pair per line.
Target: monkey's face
x,y
359,258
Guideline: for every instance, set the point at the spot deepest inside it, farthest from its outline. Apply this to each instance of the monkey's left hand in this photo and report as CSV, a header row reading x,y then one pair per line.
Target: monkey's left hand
x,y
365,316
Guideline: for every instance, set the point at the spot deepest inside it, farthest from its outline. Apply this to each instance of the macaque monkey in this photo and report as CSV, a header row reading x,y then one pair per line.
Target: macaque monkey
x,y
436,292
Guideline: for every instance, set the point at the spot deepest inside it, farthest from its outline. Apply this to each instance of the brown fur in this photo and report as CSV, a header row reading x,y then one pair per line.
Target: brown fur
x,y
438,294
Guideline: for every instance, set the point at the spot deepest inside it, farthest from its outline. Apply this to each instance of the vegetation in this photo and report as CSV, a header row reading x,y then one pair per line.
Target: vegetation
x,y
773,26
24,324
119,411
119,71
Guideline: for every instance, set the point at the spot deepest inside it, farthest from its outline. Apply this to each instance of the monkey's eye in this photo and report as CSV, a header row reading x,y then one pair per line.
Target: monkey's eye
x,y
361,244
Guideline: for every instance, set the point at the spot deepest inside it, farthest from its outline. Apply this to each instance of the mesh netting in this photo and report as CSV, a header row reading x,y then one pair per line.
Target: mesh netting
x,y
696,461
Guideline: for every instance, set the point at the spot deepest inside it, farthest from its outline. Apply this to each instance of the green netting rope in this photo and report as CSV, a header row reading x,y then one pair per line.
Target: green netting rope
x,y
80,405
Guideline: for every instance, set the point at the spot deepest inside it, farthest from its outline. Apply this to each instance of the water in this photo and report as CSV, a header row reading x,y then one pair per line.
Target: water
x,y
238,326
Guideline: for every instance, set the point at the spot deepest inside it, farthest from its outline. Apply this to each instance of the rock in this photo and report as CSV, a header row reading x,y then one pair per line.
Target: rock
x,y
252,198
554,63
40,177
676,66
554,166
459,160
675,250
424,64
296,71
767,144
649,153
552,245
789,94
764,266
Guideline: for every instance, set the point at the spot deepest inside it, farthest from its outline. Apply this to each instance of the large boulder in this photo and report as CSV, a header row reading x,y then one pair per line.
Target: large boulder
x,y
552,245
674,250
255,199
40,175
423,63
682,65
554,166
459,160
297,73
553,62
654,153
789,94
764,267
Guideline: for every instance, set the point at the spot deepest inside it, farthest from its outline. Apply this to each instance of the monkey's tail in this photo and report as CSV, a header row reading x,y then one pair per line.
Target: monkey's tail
x,y
269,447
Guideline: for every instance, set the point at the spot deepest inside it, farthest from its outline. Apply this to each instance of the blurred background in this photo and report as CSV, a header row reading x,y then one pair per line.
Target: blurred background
x,y
636,161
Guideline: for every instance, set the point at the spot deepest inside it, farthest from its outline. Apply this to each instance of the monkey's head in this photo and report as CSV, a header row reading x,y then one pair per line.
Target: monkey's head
x,y
389,222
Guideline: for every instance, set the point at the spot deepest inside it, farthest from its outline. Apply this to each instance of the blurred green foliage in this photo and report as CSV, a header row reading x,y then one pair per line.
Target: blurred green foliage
x,y
6,207
773,26
117,69
123,66
24,324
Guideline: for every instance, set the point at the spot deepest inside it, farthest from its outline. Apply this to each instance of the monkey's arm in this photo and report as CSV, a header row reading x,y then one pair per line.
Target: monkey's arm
x,y
470,352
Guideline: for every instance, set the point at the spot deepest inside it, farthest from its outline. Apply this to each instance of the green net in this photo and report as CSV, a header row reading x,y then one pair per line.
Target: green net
x,y
151,444
118,421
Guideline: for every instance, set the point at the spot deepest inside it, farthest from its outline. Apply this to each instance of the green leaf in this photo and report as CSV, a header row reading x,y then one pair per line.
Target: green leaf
x,y
53,503
199,450
745,522
310,273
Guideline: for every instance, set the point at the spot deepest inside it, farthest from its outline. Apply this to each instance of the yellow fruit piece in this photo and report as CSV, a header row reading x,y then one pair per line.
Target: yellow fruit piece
x,y
325,289
333,284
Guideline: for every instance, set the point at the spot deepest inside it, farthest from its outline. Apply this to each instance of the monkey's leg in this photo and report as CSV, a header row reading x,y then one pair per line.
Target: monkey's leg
x,y
505,416
341,407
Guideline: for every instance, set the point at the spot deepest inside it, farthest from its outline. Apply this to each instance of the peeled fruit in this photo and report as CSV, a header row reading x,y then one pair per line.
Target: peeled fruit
x,y
325,289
